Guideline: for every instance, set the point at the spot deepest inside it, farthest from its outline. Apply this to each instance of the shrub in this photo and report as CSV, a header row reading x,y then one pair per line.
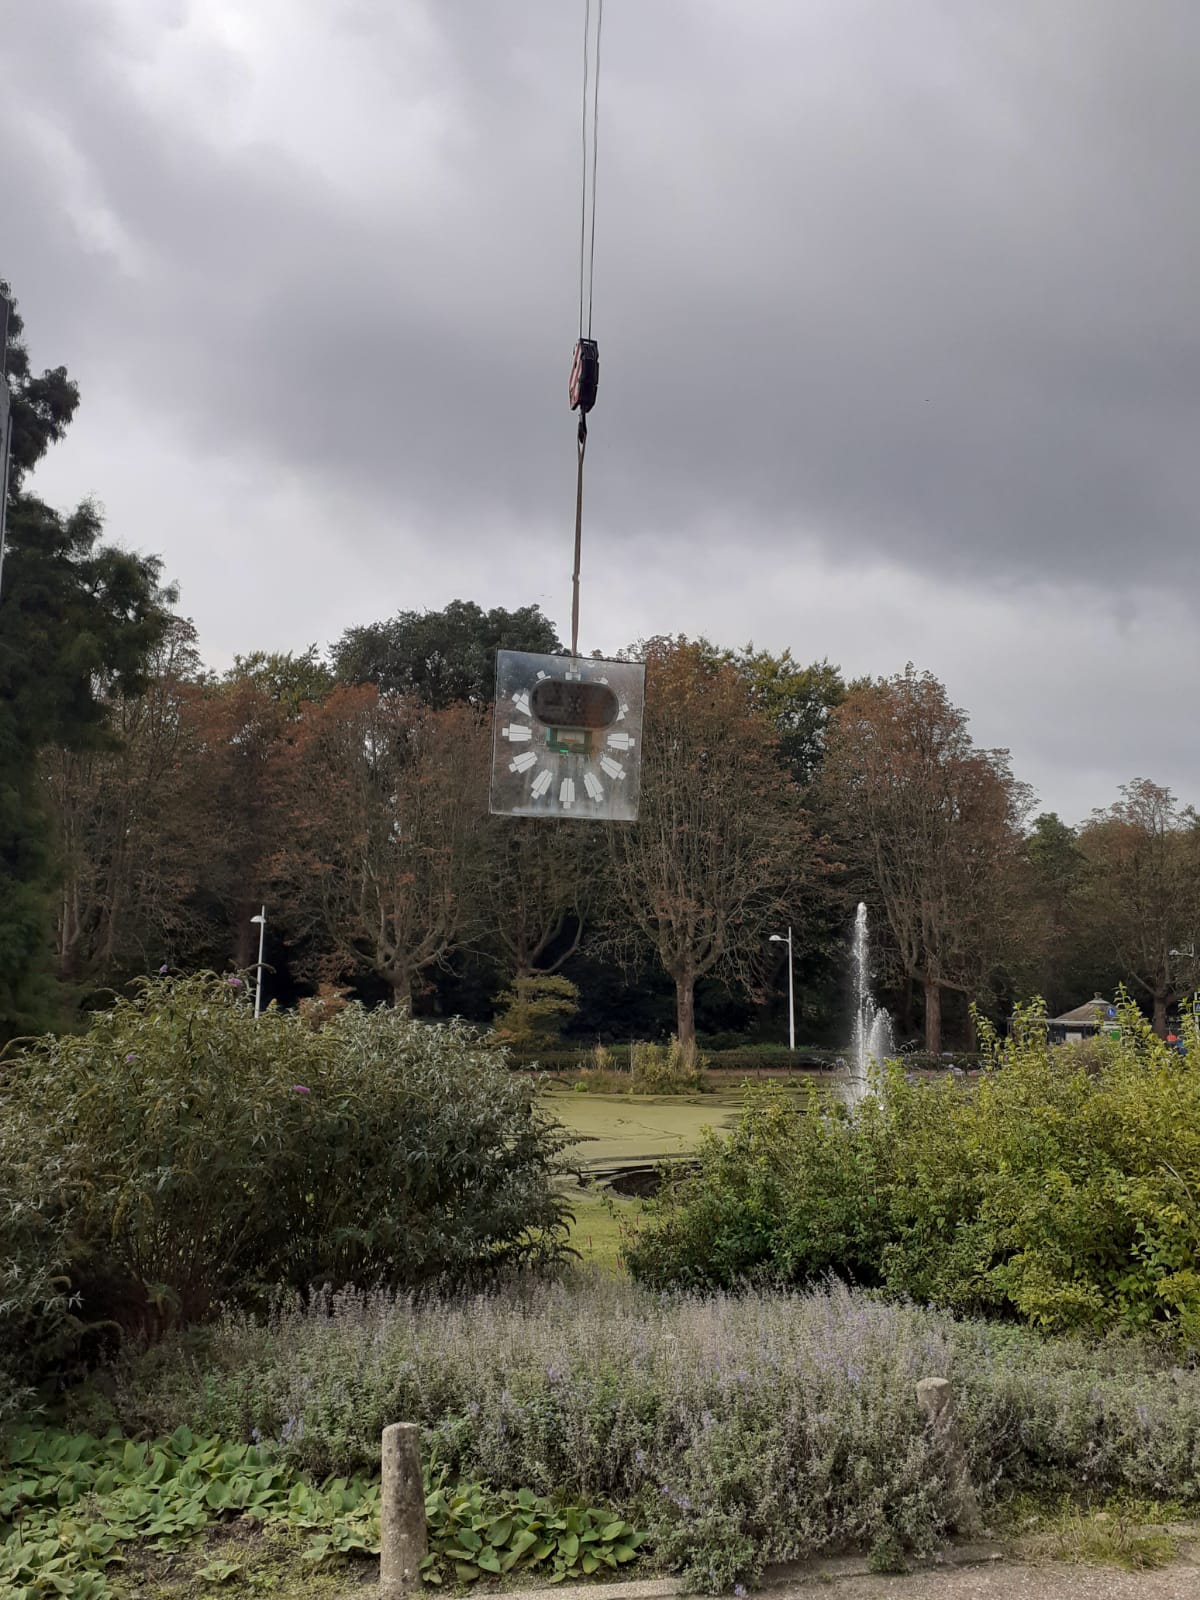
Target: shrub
x,y
1061,1188
181,1152
740,1430
664,1069
536,1009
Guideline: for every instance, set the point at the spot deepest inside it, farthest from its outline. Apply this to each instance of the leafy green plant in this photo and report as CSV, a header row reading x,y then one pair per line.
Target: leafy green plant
x,y
476,1534
71,1505
1060,1187
181,1153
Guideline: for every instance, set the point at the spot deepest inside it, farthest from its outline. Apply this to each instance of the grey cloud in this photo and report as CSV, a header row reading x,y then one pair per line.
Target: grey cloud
x,y
916,280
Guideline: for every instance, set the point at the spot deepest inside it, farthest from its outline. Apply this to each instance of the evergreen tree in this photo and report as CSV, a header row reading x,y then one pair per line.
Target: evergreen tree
x,y
78,621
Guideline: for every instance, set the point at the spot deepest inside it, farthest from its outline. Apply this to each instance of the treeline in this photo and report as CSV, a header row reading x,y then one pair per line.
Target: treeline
x,y
149,807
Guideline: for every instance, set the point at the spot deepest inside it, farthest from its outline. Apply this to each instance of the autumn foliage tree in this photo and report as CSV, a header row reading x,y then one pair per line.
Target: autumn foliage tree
x,y
128,862
386,800
538,884
721,844
936,825
1140,897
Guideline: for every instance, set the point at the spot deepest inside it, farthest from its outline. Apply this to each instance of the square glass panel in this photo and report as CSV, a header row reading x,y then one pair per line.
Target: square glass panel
x,y
567,737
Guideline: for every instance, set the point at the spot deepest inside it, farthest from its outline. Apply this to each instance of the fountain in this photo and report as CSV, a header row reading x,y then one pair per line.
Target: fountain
x,y
871,1038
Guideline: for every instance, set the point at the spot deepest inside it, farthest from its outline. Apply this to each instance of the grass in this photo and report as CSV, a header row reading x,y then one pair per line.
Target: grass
x,y
597,1230
611,1131
1134,1534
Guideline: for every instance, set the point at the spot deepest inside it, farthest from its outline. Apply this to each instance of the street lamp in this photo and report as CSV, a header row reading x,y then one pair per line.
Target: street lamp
x,y
1188,952
261,919
777,938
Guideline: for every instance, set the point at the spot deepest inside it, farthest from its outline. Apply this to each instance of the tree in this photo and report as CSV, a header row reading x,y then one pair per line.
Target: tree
x,y
797,702
42,407
1060,964
126,867
721,844
292,679
536,1008
1140,898
538,884
441,657
78,623
938,826
386,800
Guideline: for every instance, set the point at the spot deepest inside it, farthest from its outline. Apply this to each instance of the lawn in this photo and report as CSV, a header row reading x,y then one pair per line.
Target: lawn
x,y
614,1131
616,1135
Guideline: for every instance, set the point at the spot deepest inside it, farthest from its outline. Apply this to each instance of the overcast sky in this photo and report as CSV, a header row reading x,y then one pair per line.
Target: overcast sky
x,y
898,304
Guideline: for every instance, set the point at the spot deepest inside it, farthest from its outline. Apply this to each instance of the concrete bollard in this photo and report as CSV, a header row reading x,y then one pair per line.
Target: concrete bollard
x,y
402,1543
935,1396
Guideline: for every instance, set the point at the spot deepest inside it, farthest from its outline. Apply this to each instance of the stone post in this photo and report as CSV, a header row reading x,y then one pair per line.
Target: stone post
x,y
935,1396
401,1512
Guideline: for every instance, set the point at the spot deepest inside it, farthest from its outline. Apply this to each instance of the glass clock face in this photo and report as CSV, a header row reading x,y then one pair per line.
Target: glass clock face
x,y
567,739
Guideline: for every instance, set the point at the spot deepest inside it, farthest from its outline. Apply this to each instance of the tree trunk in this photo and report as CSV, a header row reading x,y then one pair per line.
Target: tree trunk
x,y
933,1016
401,983
906,1010
1160,1015
685,1016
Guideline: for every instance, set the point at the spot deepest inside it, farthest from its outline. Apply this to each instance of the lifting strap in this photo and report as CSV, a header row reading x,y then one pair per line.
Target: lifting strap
x,y
585,363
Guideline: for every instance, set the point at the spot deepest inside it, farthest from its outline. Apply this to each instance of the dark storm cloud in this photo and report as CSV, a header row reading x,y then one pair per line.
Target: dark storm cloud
x,y
917,280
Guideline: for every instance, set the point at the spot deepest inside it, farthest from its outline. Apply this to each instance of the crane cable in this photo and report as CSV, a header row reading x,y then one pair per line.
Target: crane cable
x,y
587,198
585,367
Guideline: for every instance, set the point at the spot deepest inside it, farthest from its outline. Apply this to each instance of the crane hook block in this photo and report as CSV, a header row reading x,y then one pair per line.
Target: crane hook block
x,y
585,375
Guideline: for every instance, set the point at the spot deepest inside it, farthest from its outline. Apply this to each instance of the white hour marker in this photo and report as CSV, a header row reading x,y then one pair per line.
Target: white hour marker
x,y
517,733
521,702
541,783
613,768
620,741
523,762
566,793
593,786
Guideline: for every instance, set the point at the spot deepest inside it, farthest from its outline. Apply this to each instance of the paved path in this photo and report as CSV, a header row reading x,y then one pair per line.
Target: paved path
x,y
1010,1581
844,1579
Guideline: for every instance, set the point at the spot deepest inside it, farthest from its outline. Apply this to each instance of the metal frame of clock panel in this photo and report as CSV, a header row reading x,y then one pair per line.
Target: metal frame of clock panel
x,y
567,737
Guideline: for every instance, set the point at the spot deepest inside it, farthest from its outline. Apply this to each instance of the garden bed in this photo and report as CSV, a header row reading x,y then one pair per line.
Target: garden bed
x,y
734,1430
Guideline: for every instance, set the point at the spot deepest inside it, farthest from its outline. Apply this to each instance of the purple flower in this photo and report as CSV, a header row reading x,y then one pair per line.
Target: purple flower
x,y
132,1056
299,1088
163,968
235,983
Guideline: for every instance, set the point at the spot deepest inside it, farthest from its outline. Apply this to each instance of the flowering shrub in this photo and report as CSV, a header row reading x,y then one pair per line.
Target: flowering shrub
x,y
182,1152
736,1430
1062,1186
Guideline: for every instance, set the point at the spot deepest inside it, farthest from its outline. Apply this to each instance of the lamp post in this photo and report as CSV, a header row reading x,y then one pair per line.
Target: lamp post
x,y
261,919
778,938
1188,951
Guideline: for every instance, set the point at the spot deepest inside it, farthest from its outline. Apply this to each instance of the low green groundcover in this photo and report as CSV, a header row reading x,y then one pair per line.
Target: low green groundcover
x,y
71,1505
